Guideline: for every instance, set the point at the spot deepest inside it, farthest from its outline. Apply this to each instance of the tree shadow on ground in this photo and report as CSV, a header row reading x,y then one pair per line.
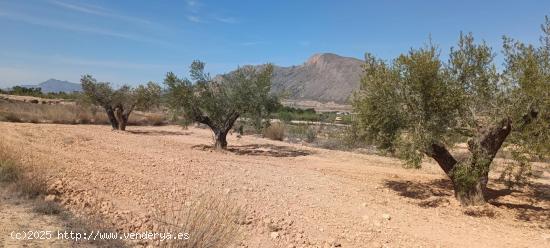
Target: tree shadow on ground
x,y
530,204
421,190
268,150
157,132
262,150
526,204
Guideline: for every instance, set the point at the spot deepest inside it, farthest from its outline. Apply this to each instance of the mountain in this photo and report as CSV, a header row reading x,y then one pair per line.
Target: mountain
x,y
54,85
324,77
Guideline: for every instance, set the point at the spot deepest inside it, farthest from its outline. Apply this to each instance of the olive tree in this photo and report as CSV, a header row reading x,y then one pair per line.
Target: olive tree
x,y
119,103
417,106
219,103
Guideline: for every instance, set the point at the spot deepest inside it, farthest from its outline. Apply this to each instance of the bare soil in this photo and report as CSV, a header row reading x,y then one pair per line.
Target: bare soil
x,y
17,215
292,195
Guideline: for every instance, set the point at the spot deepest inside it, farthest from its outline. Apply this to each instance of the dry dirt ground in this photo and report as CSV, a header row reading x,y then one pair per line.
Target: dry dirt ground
x,y
292,195
17,214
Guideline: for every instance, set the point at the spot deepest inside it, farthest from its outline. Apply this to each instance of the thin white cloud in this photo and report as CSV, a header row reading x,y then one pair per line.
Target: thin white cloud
x,y
76,28
194,8
99,11
90,9
194,19
68,60
191,3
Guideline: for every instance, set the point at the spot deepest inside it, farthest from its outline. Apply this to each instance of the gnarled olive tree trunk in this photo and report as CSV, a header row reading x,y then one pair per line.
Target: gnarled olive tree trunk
x,y
220,134
111,115
118,117
220,137
122,117
470,176
221,130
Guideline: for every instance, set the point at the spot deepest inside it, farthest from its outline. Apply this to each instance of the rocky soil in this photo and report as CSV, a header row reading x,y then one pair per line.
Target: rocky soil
x,y
292,195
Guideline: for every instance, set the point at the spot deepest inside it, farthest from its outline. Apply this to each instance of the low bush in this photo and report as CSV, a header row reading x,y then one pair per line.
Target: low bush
x,y
31,186
47,208
210,220
276,131
9,171
29,183
12,117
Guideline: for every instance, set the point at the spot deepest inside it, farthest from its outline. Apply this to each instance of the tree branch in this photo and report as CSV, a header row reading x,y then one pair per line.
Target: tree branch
x,y
492,139
443,157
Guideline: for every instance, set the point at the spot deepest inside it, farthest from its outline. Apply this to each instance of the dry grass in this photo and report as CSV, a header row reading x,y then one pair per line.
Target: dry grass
x,y
68,113
9,170
26,180
209,221
147,119
47,208
16,111
31,185
275,132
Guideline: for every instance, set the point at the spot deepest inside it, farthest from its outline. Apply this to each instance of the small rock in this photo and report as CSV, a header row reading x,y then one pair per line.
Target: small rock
x,y
386,216
274,235
50,198
364,204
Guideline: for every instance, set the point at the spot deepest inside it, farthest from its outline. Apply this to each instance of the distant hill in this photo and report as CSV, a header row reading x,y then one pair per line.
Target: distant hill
x,y
54,85
324,77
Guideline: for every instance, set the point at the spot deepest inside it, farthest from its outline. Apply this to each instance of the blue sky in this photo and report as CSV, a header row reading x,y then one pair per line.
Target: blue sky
x,y
135,41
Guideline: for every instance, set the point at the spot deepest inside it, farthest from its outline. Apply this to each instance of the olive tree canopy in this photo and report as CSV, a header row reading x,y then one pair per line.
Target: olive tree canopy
x,y
219,103
417,106
120,103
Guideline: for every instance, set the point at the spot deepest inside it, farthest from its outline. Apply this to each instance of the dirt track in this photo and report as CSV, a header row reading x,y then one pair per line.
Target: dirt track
x,y
315,197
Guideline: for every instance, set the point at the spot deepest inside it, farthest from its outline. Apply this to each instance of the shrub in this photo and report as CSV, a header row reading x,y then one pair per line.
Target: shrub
x,y
311,134
47,208
210,221
285,116
154,119
333,144
275,132
299,132
9,171
31,185
12,117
